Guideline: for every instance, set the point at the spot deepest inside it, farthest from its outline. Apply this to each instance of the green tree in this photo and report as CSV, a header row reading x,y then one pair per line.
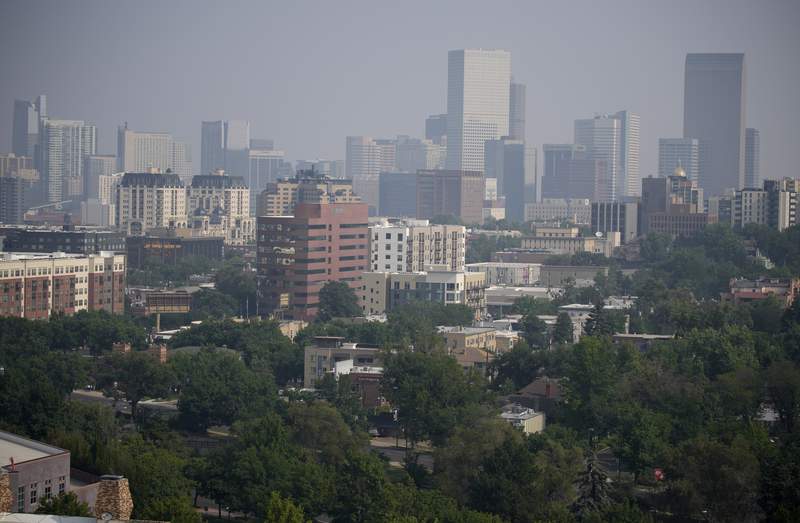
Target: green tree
x,y
591,379
337,300
594,491
283,510
534,331
137,375
640,437
65,504
563,332
783,387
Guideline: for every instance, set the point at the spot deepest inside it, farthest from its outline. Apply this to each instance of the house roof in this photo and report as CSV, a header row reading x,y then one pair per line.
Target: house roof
x,y
23,449
538,387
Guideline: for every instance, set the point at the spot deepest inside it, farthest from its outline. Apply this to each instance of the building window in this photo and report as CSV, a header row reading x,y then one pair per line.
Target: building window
x,y
34,493
48,492
62,484
21,499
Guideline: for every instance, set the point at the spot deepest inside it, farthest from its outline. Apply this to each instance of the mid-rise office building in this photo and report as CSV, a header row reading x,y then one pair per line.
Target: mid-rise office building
x,y
143,152
415,245
383,291
451,193
516,112
36,286
281,197
298,254
26,126
570,172
752,158
608,217
150,200
366,158
329,168
576,211
266,167
511,274
414,154
774,204
478,93
169,249
679,152
63,148
714,112
513,164
673,205
398,194
567,240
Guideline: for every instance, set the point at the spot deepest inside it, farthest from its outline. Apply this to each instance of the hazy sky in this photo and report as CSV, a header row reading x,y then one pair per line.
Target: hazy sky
x,y
307,74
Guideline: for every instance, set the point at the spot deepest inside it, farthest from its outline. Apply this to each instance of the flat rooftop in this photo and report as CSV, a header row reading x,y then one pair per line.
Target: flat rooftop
x,y
445,329
23,449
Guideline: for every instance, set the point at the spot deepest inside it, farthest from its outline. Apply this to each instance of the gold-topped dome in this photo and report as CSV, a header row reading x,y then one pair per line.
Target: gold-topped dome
x,y
679,171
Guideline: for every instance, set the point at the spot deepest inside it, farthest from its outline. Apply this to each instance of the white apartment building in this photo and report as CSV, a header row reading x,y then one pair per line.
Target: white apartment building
x,y
478,102
65,144
150,200
416,245
508,273
219,205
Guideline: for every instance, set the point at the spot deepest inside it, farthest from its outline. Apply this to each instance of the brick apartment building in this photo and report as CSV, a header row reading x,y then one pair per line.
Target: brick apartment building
x,y
35,286
298,254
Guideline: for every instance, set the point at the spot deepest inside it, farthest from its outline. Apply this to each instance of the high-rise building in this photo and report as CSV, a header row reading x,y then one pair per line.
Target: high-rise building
x,y
142,152
150,200
672,205
224,145
19,187
436,129
679,152
621,217
752,161
513,164
613,139
96,165
298,254
329,168
713,112
774,204
414,154
451,193
516,112
478,92
266,167
64,146
364,160
570,172
25,133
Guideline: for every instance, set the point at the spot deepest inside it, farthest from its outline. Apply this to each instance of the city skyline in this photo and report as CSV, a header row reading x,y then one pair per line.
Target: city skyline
x,y
297,115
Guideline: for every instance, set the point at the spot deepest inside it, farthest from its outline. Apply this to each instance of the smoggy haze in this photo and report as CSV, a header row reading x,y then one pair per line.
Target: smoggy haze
x,y
307,74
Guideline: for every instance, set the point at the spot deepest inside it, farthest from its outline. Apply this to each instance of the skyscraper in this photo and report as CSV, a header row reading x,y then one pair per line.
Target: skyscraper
x,y
478,92
752,148
436,128
64,146
674,152
224,145
94,167
513,164
25,133
365,159
516,112
713,112
141,152
613,139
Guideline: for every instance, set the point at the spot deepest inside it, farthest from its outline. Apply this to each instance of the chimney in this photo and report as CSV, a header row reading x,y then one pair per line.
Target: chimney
x,y
5,491
114,500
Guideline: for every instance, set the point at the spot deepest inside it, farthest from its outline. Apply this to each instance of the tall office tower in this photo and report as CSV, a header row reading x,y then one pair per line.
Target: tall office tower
x,y
95,166
752,152
398,194
629,153
262,144
363,162
451,193
64,146
478,91
224,145
25,133
513,164
683,152
516,112
613,139
266,166
150,200
570,172
713,112
414,154
298,254
436,128
142,152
